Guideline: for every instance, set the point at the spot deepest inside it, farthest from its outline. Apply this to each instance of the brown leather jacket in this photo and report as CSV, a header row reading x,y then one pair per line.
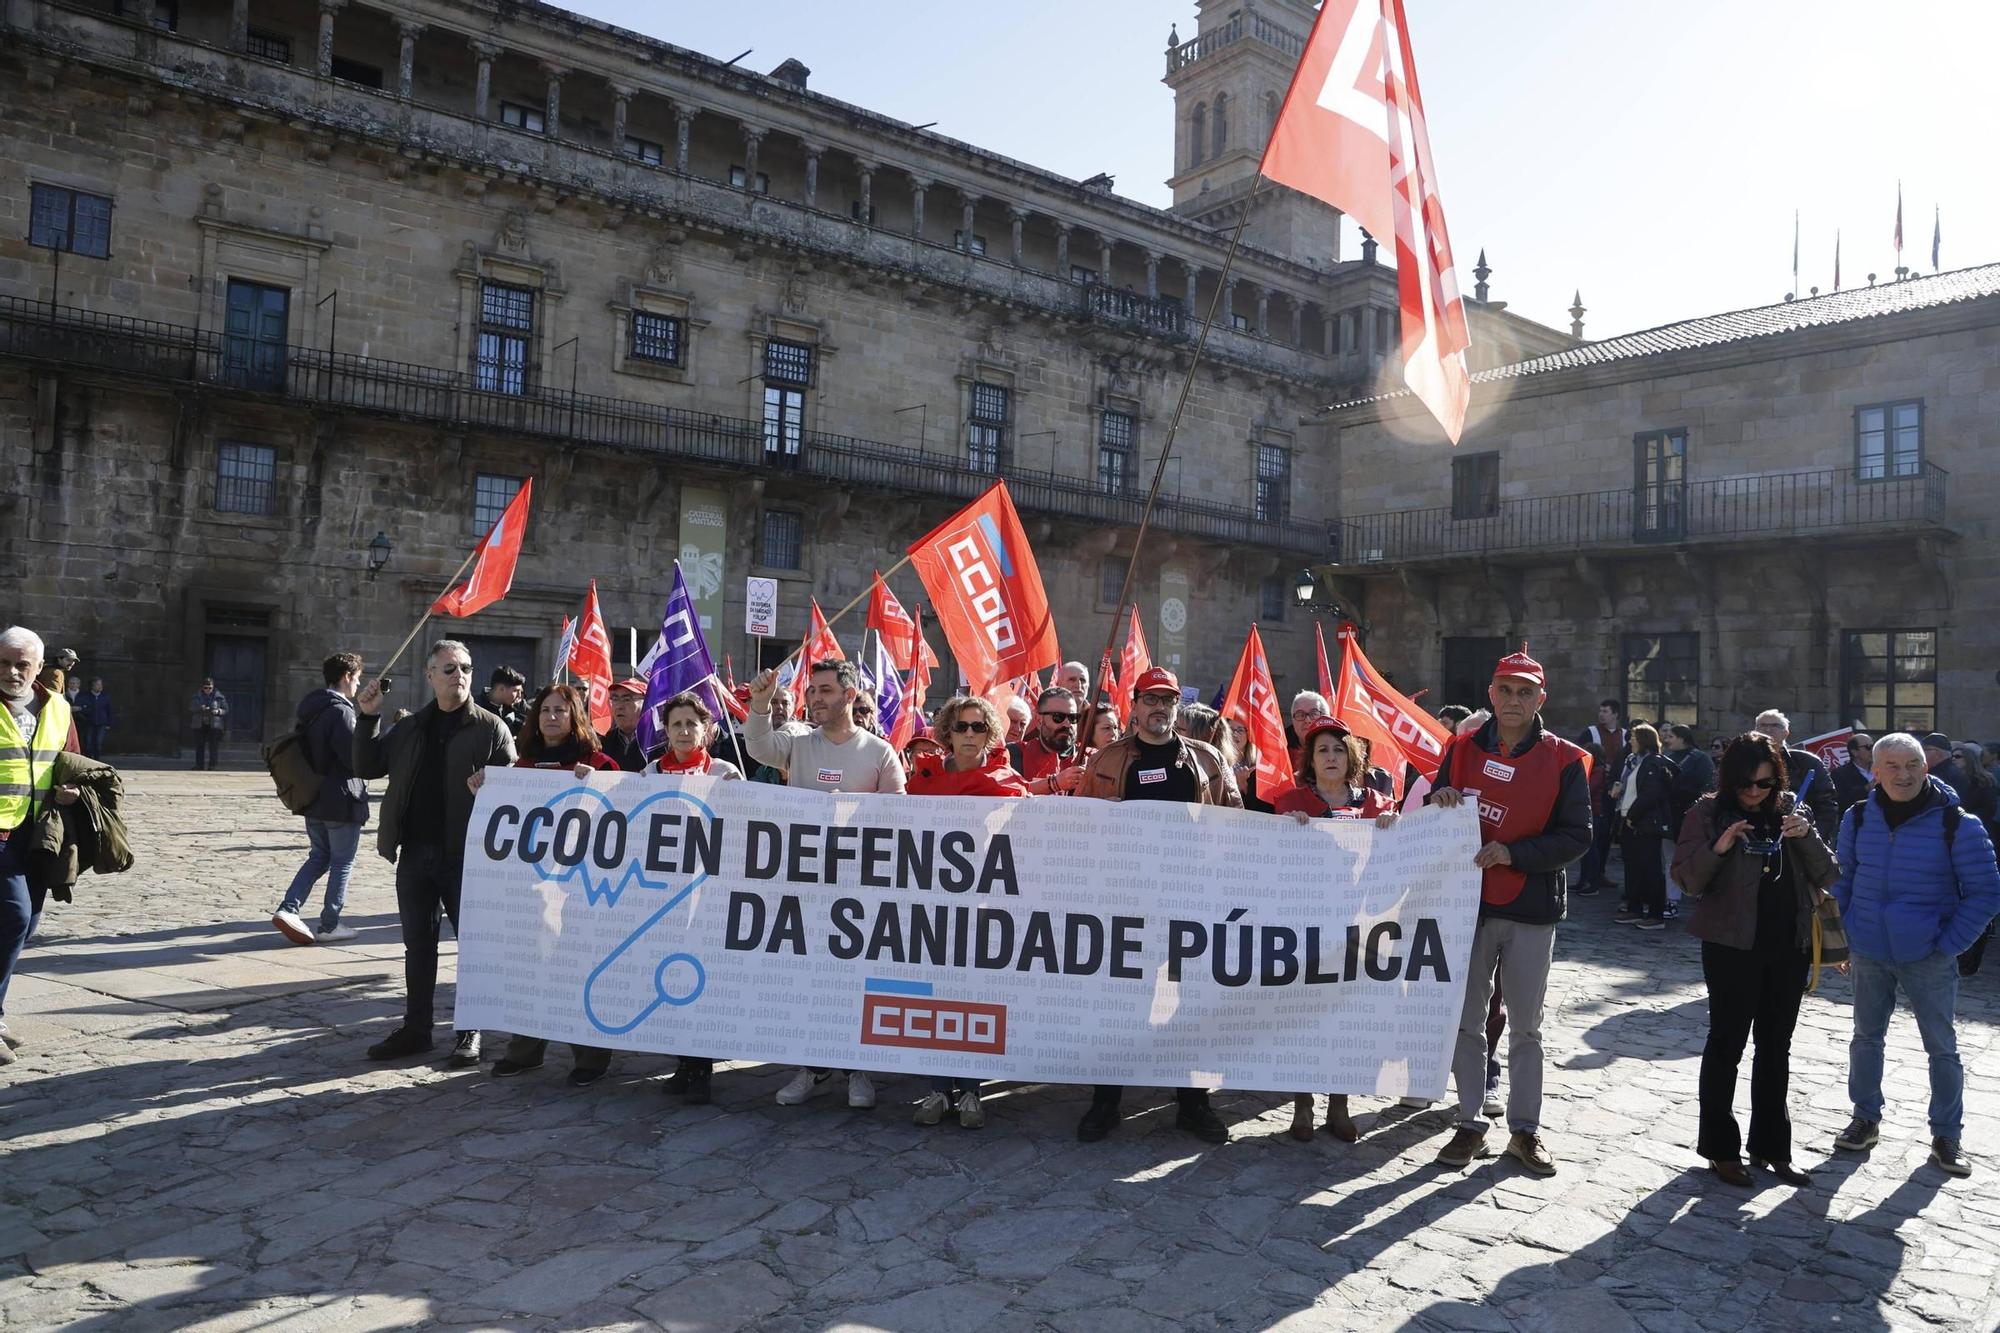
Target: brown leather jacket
x,y
1725,887
1215,784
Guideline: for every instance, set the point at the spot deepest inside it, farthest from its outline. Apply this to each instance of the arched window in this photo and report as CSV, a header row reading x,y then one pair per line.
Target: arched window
x,y
1197,133
1221,121
1270,113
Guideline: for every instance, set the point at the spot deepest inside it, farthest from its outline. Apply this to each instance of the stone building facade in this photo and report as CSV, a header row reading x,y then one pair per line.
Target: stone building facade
x,y
284,282
1791,506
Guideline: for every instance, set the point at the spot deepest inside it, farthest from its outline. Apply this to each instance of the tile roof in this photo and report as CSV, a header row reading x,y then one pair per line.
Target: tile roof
x,y
1859,303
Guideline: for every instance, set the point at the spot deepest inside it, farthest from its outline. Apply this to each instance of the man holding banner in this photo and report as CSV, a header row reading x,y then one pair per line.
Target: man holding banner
x,y
1156,763
1532,791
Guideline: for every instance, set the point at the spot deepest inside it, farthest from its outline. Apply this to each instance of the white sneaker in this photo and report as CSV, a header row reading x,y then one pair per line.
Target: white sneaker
x,y
336,935
860,1091
804,1084
931,1109
971,1115
293,927
1493,1108
1414,1103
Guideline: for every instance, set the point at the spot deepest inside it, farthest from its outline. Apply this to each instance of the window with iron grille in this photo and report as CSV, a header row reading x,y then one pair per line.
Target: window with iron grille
x,y
506,320
645,150
788,367
491,494
1475,485
1272,595
521,117
1889,440
268,45
1888,680
1110,580
1274,482
784,539
70,220
1116,434
656,338
986,427
787,362
246,479
1662,674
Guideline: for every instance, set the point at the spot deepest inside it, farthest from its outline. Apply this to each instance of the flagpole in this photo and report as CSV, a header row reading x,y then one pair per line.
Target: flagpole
x,y
729,720
1166,449
858,599
410,638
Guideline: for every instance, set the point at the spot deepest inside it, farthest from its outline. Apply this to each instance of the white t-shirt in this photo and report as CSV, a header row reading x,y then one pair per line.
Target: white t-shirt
x,y
862,762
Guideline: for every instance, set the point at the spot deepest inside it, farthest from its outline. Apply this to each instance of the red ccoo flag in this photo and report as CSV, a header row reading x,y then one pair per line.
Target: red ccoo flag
x,y
1325,674
1352,134
590,660
1253,700
1398,732
887,618
819,646
493,573
1133,663
987,591
913,698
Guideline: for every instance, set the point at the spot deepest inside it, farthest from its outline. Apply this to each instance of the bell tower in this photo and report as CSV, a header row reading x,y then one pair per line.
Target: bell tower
x,y
1228,81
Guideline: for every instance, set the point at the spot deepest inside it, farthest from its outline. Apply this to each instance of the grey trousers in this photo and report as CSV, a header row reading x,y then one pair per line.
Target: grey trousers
x,y
1521,955
529,1051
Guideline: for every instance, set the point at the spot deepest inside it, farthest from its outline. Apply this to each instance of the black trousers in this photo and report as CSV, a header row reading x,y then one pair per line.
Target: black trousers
x,y
1108,1094
1645,880
1750,993
206,742
427,884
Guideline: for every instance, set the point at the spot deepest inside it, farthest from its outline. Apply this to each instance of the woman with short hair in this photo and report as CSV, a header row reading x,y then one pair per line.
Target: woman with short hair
x,y
688,724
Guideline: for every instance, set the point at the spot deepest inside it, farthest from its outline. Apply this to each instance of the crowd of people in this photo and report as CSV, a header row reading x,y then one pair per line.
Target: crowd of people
x,y
1780,859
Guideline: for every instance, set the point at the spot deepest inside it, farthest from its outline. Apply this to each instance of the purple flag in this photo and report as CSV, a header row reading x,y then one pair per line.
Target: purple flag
x,y
679,662
888,690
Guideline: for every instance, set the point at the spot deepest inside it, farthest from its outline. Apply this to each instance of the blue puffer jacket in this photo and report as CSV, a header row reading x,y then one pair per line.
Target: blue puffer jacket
x,y
1900,898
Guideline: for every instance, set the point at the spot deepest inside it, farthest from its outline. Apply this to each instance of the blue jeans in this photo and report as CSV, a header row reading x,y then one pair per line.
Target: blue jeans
x,y
332,855
1931,985
20,913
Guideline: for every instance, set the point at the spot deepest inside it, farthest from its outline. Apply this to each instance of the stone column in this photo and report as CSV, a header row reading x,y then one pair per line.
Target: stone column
x,y
1015,217
1328,323
1263,314
867,170
752,138
621,115
552,112
327,9
1229,304
1104,260
1298,320
1152,275
239,25
918,185
965,225
683,122
1367,332
1062,251
482,94
813,151
406,57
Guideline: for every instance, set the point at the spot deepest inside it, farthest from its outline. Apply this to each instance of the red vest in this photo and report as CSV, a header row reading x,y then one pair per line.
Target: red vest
x,y
1516,797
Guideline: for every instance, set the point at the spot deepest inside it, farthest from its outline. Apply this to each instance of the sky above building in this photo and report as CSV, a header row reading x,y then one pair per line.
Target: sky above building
x,y
1649,155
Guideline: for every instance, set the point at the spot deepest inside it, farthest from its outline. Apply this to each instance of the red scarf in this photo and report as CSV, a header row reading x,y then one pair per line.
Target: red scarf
x,y
696,762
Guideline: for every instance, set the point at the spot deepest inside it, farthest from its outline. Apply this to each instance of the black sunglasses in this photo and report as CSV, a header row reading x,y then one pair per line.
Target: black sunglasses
x,y
962,726
1761,784
1061,717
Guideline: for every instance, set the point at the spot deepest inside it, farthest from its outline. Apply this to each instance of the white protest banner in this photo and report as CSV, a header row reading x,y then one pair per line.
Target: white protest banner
x,y
760,607
1052,940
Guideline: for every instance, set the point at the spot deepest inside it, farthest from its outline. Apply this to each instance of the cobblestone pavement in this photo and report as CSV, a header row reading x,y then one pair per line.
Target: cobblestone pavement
x,y
193,1139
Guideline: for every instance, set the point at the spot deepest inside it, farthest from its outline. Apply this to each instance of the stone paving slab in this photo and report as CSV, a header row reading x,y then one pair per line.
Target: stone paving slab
x,y
192,1139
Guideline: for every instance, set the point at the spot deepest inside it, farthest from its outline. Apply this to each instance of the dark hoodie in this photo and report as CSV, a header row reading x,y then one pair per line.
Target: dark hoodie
x,y
326,720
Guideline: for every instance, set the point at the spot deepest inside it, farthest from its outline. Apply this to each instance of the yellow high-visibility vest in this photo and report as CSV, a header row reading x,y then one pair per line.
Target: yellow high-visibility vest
x,y
26,774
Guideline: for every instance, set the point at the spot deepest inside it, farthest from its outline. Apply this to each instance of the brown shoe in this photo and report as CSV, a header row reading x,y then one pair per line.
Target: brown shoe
x,y
1338,1122
1731,1172
1526,1148
1464,1146
1302,1117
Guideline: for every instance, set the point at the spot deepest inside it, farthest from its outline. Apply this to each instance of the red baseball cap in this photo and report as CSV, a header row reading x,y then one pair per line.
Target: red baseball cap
x,y
630,685
1156,678
1522,666
1319,725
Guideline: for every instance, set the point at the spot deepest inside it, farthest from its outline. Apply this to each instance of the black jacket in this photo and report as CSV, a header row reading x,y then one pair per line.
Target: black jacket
x,y
326,721
1823,800
625,749
478,740
1850,784
1651,814
1694,778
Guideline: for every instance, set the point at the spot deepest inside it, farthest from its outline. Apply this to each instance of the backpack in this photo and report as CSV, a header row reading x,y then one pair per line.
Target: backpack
x,y
1969,961
288,760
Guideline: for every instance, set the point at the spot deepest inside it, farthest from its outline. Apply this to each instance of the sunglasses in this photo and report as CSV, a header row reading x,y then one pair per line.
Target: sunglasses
x,y
962,727
1061,717
453,669
1761,784
1858,749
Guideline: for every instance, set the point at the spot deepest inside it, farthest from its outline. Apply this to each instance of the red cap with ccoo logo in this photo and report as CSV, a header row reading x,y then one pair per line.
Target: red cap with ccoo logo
x,y
1157,678
1521,666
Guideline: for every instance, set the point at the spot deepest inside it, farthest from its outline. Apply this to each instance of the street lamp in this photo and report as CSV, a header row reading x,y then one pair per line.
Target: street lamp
x,y
1306,595
378,554
1305,592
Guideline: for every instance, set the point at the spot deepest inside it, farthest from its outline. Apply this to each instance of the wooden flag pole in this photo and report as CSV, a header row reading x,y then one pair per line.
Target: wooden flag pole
x,y
410,638
1160,472
859,598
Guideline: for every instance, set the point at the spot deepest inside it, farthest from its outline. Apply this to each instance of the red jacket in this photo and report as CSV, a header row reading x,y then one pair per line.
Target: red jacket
x,y
993,778
1308,801
1038,761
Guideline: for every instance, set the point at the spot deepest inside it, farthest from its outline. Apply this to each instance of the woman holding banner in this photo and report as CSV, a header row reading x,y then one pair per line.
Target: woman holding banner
x,y
557,734
689,723
1332,767
976,765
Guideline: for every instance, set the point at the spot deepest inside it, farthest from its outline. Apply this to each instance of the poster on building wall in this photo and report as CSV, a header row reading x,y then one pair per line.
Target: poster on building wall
x,y
1173,618
704,536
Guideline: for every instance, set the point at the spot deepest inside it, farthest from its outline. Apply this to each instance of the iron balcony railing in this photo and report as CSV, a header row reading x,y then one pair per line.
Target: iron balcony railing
x,y
147,349
1782,504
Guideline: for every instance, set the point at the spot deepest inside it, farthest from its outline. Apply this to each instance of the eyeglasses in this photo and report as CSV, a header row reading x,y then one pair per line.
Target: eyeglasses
x,y
453,668
1761,784
962,727
1159,700
1852,748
